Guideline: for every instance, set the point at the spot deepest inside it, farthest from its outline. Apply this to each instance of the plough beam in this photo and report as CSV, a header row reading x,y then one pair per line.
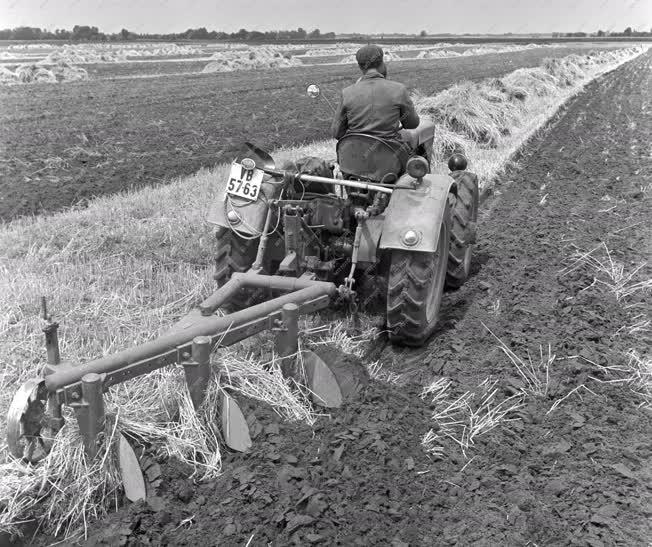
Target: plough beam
x,y
164,350
256,281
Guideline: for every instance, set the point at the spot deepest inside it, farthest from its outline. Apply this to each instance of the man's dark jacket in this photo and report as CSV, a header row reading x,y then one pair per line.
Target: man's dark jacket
x,y
375,106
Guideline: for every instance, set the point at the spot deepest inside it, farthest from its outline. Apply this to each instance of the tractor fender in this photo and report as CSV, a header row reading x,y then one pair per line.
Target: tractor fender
x,y
251,214
420,209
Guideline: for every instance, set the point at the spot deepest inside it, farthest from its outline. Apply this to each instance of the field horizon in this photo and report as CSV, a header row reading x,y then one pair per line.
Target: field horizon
x,y
65,146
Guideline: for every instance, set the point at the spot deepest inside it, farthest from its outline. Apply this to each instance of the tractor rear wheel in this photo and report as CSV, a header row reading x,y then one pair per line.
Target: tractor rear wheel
x,y
234,254
414,290
464,218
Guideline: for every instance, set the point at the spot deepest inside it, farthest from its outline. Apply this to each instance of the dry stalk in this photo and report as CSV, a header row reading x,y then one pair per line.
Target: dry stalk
x,y
466,417
338,334
610,273
535,375
437,389
378,373
265,382
571,392
636,373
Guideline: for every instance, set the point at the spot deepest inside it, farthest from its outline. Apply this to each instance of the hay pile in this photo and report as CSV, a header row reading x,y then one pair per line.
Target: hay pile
x,y
7,76
23,47
257,58
27,74
35,73
482,115
334,49
485,50
348,49
482,112
565,71
437,54
167,50
388,55
81,54
66,72
430,52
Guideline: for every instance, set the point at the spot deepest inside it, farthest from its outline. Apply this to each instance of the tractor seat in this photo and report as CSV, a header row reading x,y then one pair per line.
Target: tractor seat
x,y
371,158
421,134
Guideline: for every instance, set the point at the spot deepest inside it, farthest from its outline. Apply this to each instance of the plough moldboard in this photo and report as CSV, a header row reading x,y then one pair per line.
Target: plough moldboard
x,y
35,415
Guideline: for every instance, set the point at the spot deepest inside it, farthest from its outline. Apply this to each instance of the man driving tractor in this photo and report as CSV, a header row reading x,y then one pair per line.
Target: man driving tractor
x,y
376,106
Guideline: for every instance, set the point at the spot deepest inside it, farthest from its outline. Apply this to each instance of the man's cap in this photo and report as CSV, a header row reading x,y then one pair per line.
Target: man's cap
x,y
369,56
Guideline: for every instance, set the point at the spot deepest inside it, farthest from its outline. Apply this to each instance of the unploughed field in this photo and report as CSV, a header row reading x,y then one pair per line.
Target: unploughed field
x,y
65,143
574,469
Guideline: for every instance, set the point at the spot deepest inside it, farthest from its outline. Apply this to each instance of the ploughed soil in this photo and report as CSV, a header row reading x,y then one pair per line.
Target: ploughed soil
x,y
62,145
575,475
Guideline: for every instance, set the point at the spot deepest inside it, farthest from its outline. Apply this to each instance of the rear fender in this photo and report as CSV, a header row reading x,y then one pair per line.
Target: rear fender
x,y
419,209
252,214
370,232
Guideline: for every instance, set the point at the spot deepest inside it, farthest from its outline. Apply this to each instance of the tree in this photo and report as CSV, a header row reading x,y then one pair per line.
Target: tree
x,y
601,33
628,31
26,33
198,34
423,33
86,33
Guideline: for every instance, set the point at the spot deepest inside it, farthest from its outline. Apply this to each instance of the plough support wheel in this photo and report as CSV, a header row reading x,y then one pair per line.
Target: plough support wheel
x,y
29,437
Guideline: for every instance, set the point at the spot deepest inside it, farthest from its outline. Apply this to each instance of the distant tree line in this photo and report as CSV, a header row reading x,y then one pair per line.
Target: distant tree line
x,y
628,32
85,33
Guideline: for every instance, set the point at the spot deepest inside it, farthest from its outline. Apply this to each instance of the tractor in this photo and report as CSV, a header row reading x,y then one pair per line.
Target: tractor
x,y
290,241
376,210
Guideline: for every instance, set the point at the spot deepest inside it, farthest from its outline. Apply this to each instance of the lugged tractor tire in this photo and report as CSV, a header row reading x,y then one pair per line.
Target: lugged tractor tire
x,y
415,286
234,254
464,216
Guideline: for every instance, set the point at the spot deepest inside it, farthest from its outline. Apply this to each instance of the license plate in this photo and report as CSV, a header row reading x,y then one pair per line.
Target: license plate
x,y
244,183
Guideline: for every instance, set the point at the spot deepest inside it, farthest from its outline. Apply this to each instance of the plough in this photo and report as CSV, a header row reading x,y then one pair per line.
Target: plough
x,y
303,237
35,414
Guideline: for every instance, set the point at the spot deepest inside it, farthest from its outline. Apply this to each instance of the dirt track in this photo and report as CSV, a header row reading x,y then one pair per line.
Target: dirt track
x,y
577,476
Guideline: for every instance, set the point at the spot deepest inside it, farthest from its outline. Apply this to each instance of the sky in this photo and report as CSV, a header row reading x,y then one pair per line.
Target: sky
x,y
340,16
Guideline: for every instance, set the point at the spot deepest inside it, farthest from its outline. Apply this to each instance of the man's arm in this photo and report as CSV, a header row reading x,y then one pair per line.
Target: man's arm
x,y
340,122
409,117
